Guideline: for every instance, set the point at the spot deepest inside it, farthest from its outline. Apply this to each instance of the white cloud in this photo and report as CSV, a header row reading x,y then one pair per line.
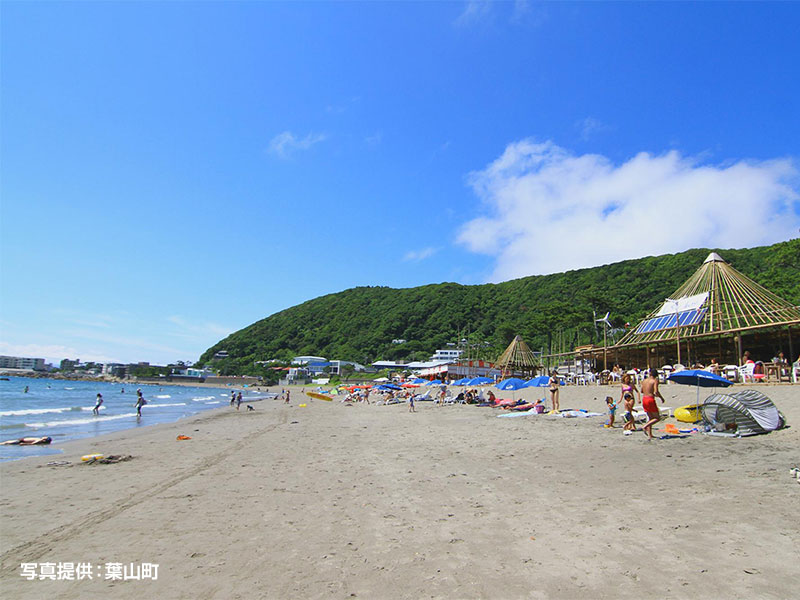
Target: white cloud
x,y
52,353
286,143
590,126
198,330
418,255
474,11
550,211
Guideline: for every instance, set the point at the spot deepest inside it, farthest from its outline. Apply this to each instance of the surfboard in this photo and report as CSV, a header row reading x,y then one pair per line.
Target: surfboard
x,y
317,396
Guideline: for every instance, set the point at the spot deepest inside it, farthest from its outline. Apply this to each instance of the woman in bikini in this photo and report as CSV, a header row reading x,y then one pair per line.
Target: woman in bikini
x,y
629,401
553,384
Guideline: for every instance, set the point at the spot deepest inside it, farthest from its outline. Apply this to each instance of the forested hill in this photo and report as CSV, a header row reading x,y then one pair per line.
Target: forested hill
x,y
549,312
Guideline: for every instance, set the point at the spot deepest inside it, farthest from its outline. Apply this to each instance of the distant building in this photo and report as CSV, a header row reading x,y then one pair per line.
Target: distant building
x,y
337,366
304,360
21,362
68,364
221,354
115,369
399,341
447,355
396,365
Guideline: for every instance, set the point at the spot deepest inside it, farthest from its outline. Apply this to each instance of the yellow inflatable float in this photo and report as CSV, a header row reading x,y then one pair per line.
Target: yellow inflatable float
x,y
691,413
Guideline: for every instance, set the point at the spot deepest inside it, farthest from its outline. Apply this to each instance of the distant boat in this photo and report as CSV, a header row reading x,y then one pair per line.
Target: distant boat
x,y
4,379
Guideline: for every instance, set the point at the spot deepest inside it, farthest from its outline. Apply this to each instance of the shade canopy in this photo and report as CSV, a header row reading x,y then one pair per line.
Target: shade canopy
x,y
541,381
716,299
699,377
510,384
517,357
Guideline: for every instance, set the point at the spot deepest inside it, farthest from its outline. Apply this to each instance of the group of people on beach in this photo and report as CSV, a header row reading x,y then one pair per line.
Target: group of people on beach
x,y
648,394
140,402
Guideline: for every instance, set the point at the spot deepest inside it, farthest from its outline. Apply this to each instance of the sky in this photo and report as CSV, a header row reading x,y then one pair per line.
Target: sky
x,y
173,172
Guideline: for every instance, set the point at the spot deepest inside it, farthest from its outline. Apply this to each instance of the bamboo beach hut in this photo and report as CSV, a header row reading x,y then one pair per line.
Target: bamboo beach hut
x,y
517,358
708,316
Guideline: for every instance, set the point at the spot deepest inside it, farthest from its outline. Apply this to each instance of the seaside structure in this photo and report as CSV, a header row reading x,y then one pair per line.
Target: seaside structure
x,y
717,313
517,358
22,363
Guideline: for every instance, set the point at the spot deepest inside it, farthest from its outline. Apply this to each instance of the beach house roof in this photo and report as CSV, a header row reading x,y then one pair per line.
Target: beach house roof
x,y
716,299
518,356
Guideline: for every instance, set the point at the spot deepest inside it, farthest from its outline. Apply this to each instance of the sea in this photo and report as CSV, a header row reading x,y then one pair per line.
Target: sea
x,y
62,409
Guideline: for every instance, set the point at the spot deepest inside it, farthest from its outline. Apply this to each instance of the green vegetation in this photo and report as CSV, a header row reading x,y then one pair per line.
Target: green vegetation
x,y
551,312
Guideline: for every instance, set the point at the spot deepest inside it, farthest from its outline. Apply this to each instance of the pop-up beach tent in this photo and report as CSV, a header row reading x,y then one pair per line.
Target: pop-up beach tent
x,y
743,413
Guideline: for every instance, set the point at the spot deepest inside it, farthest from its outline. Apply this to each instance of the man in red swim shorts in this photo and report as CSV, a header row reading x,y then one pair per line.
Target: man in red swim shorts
x,y
649,394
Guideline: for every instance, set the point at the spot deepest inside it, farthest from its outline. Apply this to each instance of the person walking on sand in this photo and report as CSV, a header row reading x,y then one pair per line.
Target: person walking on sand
x,y
238,400
140,402
411,403
96,409
553,384
649,394
233,398
287,396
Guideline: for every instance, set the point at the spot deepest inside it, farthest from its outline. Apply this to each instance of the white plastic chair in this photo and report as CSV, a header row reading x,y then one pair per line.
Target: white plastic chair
x,y
796,372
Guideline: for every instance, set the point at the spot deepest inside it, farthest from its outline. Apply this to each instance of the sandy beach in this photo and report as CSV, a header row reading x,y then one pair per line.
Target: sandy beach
x,y
335,501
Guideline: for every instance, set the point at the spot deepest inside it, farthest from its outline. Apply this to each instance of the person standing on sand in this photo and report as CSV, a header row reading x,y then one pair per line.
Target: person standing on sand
x,y
411,403
238,400
96,409
287,397
233,398
649,394
553,384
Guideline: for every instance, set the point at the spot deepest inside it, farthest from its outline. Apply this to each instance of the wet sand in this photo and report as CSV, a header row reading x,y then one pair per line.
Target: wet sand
x,y
335,501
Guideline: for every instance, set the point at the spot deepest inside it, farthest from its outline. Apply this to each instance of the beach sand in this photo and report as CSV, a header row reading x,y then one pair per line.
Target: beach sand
x,y
335,501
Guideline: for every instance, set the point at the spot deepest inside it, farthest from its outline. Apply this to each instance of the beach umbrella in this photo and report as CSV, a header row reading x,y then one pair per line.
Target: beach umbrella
x,y
462,381
419,381
480,381
389,386
541,381
510,384
433,382
700,378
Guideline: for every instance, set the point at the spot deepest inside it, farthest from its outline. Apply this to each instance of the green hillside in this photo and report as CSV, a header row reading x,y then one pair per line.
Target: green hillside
x,y
551,312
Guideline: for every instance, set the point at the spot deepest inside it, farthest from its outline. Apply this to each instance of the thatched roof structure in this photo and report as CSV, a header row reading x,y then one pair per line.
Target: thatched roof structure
x,y
717,300
517,357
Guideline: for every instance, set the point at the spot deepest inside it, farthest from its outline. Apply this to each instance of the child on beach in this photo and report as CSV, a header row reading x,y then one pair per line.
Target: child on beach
x,y
627,395
96,409
630,426
612,411
411,404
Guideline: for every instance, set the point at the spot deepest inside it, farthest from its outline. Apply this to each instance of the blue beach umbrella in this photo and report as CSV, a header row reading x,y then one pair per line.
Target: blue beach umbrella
x,y
434,382
420,381
541,381
510,384
700,378
462,381
479,381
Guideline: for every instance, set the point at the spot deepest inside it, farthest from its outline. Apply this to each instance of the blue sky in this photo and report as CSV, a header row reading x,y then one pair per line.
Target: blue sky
x,y
172,172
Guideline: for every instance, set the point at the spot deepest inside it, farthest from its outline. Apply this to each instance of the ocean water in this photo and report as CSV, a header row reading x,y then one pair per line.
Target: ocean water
x,y
63,409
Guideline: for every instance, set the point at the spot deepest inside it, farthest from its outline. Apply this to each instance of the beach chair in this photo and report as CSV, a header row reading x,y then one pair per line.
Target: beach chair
x,y
747,371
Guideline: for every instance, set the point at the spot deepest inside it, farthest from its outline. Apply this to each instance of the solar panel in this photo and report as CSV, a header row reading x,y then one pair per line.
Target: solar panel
x,y
686,319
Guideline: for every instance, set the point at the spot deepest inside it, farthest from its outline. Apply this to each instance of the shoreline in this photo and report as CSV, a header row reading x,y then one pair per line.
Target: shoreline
x,y
451,502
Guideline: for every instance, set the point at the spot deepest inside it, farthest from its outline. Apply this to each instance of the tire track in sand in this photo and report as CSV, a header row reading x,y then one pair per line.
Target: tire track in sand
x,y
41,545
